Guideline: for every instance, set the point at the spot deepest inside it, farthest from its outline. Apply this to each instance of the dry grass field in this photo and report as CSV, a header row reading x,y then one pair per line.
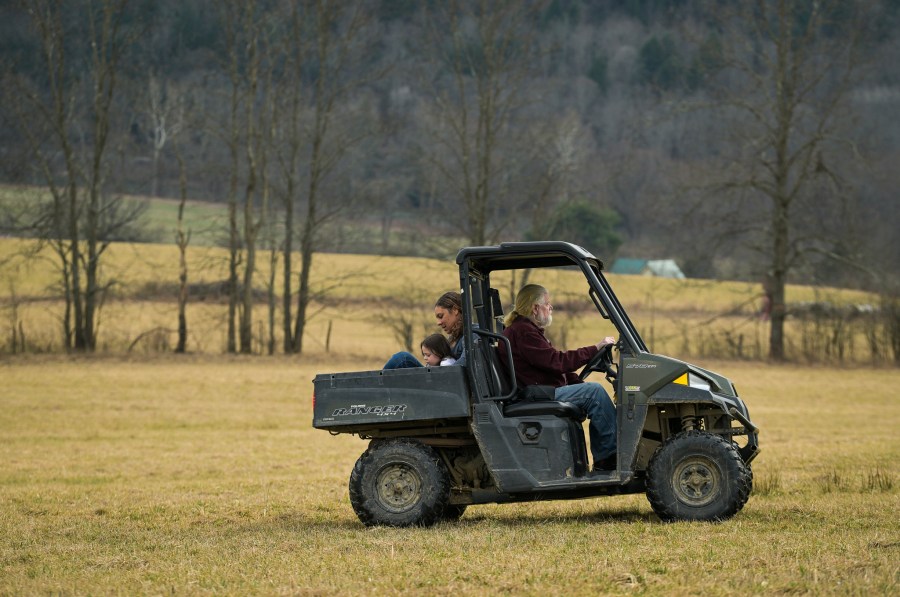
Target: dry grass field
x,y
202,475
138,472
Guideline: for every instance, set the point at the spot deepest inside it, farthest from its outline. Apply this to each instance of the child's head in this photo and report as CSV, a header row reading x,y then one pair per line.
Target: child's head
x,y
435,348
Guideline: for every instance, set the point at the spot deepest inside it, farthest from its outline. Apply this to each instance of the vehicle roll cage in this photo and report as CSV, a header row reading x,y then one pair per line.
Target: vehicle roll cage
x,y
477,263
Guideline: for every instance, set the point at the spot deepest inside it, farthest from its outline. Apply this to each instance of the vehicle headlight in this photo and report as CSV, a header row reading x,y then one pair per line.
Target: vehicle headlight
x,y
694,381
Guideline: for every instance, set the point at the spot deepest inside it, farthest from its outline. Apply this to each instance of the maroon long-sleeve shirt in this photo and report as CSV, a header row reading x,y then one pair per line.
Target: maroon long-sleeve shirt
x,y
536,361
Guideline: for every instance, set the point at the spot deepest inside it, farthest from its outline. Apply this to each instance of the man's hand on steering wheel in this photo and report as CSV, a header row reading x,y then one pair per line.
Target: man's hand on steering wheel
x,y
602,361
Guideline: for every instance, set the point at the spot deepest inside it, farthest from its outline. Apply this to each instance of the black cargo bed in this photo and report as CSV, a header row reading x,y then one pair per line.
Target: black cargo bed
x,y
344,401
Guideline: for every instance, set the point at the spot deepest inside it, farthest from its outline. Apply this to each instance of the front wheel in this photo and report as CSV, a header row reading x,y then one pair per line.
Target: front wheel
x,y
399,483
696,475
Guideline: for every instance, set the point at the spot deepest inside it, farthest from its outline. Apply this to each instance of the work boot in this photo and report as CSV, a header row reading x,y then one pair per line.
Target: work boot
x,y
607,464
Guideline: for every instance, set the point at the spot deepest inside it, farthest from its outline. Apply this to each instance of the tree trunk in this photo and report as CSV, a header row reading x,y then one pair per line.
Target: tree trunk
x,y
233,258
288,276
303,292
182,239
233,136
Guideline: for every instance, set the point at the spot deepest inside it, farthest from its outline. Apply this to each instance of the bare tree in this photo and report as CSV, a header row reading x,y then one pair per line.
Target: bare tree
x,y
482,52
254,149
247,24
182,240
786,78
331,42
232,137
67,122
288,157
164,123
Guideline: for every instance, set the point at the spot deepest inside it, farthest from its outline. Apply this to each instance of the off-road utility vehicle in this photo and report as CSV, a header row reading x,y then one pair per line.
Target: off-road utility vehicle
x,y
443,438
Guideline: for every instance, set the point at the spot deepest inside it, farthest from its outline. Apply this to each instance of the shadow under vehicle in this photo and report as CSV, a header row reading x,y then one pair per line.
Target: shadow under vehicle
x,y
445,438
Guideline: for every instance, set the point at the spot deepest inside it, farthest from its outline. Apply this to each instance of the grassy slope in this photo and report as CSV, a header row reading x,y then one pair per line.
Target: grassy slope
x,y
206,221
679,317
203,475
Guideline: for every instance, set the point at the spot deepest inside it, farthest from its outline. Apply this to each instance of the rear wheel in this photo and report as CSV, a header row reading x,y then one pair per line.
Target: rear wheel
x,y
697,476
399,483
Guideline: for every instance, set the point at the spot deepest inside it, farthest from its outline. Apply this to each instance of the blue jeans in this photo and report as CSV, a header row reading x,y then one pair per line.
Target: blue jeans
x,y
594,400
402,360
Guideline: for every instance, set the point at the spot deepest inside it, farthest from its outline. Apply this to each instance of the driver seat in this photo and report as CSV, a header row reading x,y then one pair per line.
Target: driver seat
x,y
539,400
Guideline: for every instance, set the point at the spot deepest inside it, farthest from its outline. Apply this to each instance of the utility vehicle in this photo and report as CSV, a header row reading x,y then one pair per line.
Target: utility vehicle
x,y
444,438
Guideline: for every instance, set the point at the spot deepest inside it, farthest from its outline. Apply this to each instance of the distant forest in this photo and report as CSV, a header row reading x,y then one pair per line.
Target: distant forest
x,y
746,140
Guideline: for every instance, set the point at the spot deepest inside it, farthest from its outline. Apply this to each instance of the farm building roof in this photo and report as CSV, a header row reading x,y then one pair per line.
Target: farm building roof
x,y
662,268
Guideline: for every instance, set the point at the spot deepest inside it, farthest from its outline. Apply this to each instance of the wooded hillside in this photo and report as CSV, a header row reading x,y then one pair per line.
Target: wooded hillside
x,y
754,143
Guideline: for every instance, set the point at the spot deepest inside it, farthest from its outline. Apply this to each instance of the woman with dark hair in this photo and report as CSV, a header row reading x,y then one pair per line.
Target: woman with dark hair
x,y
448,313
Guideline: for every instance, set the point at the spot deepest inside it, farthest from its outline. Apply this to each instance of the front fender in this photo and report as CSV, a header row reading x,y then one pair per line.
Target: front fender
x,y
730,406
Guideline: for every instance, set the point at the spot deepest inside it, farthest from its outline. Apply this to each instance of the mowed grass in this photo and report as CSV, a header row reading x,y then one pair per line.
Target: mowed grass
x,y
202,475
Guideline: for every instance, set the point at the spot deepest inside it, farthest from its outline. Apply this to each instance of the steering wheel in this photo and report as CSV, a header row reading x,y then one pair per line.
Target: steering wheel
x,y
602,361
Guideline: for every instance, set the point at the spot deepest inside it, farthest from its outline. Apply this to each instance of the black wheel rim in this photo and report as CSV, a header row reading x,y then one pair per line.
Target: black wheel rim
x,y
399,487
697,481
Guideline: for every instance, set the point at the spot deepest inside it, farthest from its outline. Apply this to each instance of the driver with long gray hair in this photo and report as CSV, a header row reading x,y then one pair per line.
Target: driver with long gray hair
x,y
537,362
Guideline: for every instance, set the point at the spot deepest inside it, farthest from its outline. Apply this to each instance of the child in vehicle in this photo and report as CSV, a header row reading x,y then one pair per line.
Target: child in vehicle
x,y
436,351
